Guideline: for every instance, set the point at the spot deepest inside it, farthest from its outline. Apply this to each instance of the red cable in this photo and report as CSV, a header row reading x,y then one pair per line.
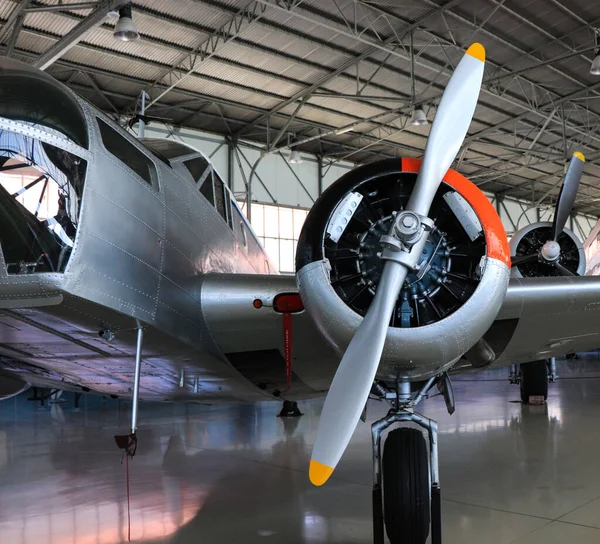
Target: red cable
x,y
128,499
287,346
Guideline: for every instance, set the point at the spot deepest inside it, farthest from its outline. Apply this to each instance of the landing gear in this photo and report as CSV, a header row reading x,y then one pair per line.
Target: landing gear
x,y
406,484
552,376
534,382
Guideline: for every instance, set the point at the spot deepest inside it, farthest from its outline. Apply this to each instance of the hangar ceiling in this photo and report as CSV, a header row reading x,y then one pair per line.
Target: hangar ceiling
x,y
340,78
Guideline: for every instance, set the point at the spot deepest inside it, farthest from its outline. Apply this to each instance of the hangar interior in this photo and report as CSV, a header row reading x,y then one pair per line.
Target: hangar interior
x,y
284,97
339,82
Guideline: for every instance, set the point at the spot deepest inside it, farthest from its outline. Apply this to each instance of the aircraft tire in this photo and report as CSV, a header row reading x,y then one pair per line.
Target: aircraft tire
x,y
534,380
406,499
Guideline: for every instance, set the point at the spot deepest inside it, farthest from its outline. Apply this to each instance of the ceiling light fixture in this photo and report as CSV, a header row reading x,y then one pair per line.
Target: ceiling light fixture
x,y
294,157
125,30
418,118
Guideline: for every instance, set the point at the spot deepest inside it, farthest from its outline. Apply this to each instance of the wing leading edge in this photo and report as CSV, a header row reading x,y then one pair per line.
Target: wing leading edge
x,y
551,317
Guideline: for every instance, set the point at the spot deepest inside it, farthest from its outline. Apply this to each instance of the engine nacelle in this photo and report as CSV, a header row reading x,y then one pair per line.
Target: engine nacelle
x,y
530,239
445,307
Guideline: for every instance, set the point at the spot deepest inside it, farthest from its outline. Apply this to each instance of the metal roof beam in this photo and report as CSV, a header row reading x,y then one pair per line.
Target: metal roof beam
x,y
189,62
478,27
374,46
12,19
275,75
72,37
18,25
496,94
62,7
313,125
199,75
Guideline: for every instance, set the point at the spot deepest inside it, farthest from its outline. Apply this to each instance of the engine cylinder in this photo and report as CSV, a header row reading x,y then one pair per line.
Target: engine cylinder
x,y
443,308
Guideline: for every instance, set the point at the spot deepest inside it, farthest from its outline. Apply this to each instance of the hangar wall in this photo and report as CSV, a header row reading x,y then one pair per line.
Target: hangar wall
x,y
278,186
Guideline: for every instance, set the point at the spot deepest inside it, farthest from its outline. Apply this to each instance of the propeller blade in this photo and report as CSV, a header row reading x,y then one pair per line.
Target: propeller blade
x,y
353,380
523,259
449,127
568,192
564,271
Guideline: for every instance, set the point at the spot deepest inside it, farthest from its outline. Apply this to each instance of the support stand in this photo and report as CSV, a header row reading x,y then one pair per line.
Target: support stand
x,y
290,409
41,398
402,413
128,443
76,398
552,376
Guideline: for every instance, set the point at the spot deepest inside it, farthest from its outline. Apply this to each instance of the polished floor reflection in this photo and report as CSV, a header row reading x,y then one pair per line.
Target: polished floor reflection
x,y
510,473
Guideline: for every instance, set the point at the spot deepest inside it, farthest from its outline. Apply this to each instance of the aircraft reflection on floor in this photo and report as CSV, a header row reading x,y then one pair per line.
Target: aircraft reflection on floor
x,y
80,472
236,474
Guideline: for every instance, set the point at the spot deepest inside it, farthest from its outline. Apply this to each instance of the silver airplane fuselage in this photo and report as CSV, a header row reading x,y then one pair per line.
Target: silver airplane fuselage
x,y
144,246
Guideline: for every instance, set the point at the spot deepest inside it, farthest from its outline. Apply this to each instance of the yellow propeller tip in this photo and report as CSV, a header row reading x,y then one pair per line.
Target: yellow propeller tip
x,y
319,473
478,51
579,155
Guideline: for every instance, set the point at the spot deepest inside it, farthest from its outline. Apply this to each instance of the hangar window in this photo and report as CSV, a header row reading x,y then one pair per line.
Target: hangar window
x,y
278,229
127,153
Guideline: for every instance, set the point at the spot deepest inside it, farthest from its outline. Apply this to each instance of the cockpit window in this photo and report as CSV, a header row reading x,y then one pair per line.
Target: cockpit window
x,y
197,167
206,190
38,99
127,153
169,149
41,186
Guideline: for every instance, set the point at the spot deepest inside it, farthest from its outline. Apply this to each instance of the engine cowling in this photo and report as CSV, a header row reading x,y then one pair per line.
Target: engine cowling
x,y
531,239
445,307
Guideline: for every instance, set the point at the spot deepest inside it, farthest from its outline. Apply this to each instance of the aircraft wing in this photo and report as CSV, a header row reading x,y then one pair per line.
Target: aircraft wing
x,y
546,317
540,318
241,316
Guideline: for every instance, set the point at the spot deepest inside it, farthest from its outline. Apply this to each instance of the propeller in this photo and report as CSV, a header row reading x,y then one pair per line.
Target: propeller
x,y
550,252
403,247
568,192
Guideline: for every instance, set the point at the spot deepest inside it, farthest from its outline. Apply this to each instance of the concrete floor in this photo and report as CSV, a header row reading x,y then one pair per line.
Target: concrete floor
x,y
510,473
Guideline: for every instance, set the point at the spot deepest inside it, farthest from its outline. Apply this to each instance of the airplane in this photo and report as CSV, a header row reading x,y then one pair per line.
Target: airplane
x,y
143,279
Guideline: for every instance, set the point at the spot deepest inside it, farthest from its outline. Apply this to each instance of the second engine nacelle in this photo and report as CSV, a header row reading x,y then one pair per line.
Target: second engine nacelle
x,y
445,306
531,239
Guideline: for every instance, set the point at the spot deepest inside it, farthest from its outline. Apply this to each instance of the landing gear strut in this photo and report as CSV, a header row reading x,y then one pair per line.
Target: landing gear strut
x,y
406,482
534,382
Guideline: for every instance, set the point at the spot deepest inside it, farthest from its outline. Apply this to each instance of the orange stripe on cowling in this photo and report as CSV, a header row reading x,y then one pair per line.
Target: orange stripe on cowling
x,y
495,235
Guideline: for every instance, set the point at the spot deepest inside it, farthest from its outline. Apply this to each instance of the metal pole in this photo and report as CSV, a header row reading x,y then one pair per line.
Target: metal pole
x,y
136,378
249,194
320,175
230,145
141,122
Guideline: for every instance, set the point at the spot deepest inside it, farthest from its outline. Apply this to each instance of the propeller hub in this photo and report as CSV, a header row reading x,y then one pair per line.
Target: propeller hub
x,y
550,251
407,227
